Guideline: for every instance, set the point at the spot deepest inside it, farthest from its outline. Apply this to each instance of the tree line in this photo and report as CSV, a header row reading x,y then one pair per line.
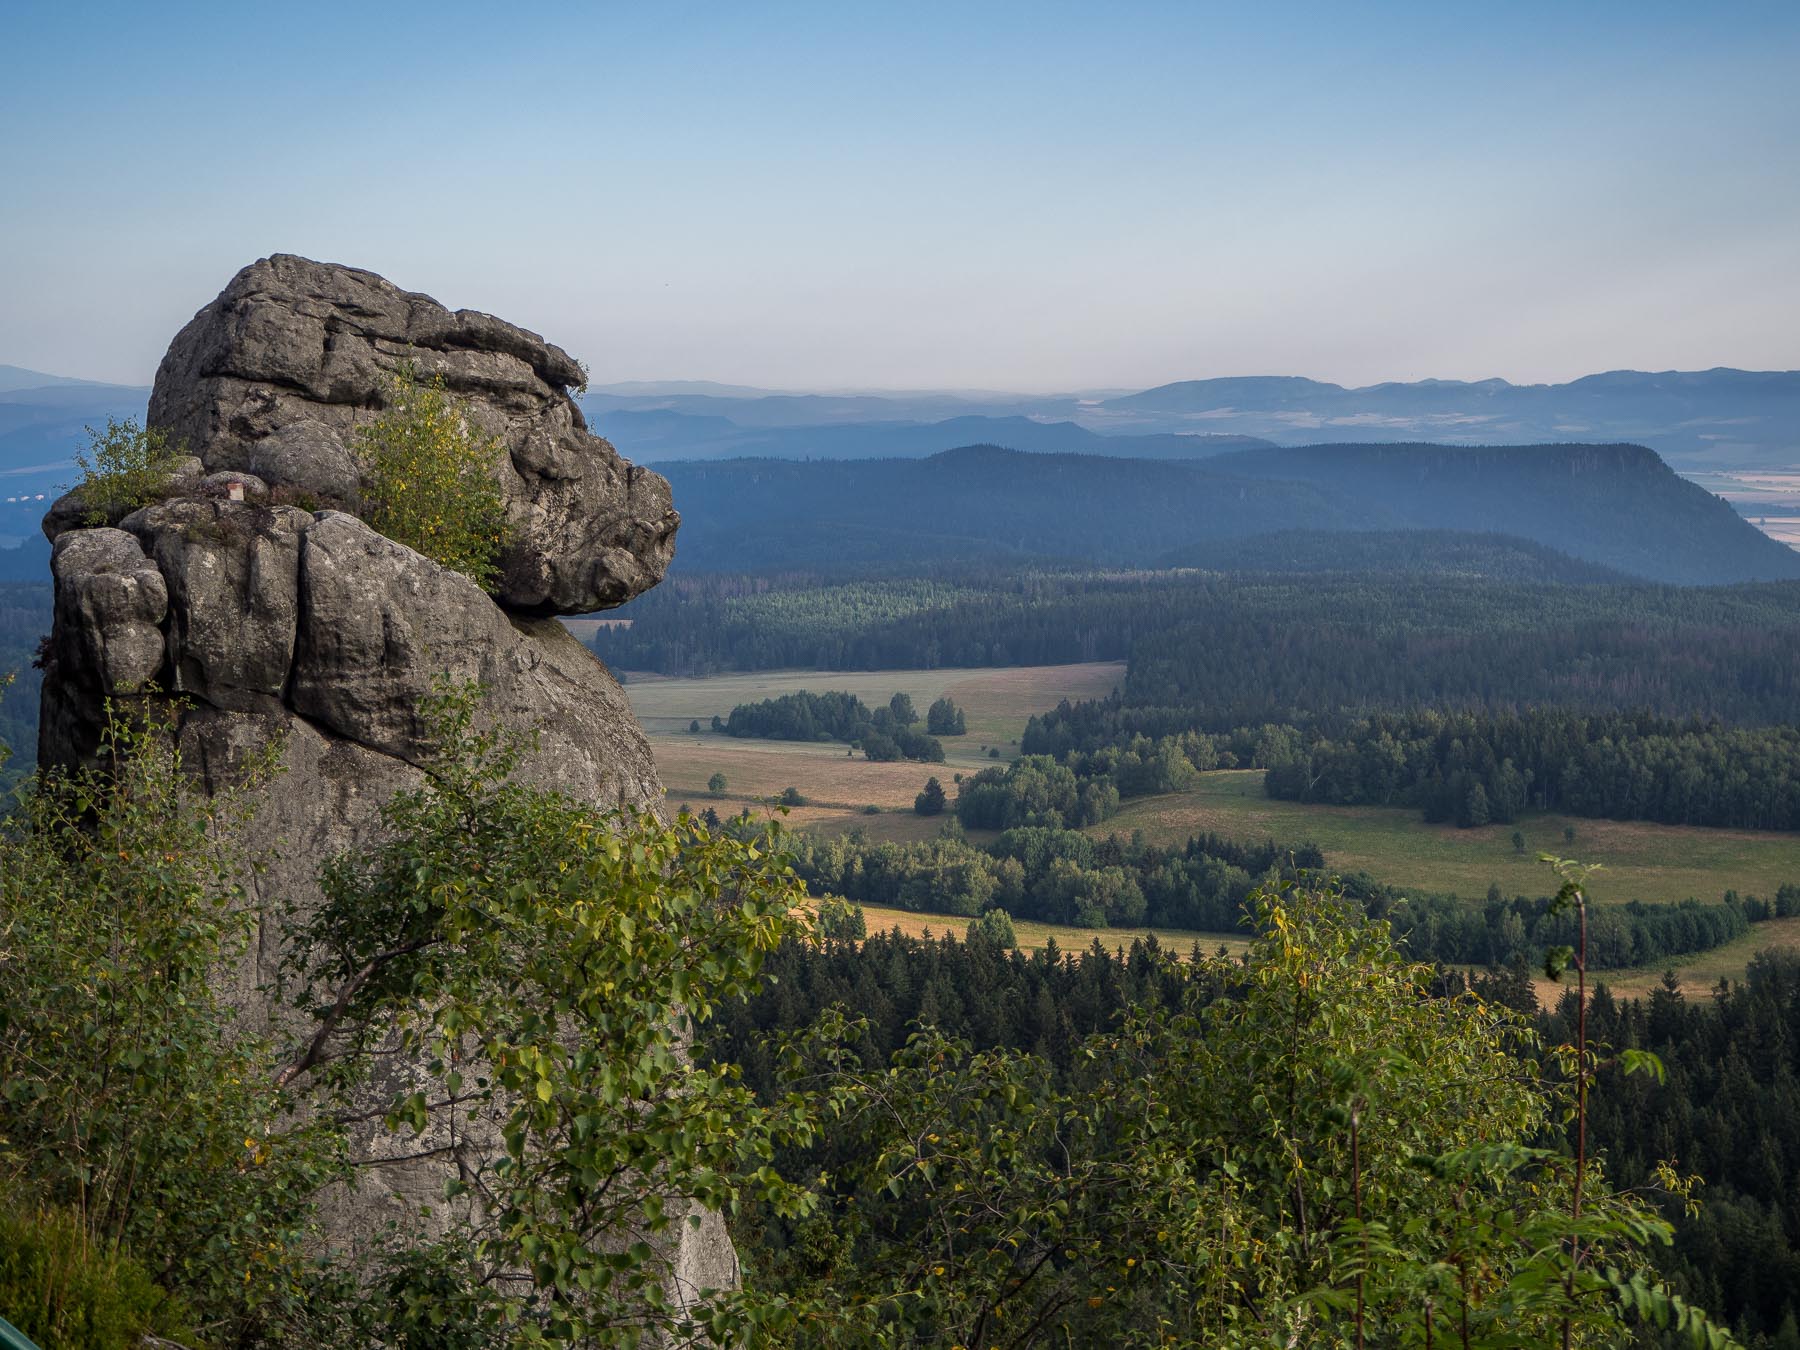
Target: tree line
x,y
1255,647
884,733
1064,876
1478,768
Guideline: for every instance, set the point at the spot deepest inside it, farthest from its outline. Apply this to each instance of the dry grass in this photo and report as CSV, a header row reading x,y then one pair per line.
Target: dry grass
x,y
997,704
1033,936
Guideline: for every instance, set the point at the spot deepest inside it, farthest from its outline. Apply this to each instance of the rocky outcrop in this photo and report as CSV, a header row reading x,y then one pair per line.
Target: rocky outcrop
x,y
274,377
249,621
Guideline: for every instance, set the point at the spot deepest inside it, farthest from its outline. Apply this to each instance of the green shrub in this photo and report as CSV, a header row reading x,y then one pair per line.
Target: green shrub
x,y
65,1291
995,926
428,479
124,467
153,1117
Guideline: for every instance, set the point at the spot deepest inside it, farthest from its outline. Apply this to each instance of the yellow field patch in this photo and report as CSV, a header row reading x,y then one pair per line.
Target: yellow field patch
x,y
1033,936
997,704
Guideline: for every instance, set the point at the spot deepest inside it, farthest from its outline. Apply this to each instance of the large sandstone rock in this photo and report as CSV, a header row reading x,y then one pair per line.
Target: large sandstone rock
x,y
275,375
244,623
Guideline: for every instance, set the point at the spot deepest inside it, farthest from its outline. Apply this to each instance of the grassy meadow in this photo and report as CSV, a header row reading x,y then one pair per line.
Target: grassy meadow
x,y
1641,861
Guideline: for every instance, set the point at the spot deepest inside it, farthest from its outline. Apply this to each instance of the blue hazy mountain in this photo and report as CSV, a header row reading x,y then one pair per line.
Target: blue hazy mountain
x,y
650,436
1694,419
43,422
1618,506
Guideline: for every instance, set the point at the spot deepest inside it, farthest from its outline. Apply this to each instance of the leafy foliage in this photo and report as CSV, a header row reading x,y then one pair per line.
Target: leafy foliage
x,y
125,466
1308,1148
62,1289
547,962
429,478
131,1094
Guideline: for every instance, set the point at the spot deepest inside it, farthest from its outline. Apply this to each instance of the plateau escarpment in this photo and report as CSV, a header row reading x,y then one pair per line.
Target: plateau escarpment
x,y
251,605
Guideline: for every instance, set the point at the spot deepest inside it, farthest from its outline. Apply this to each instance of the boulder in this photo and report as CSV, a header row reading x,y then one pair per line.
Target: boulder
x,y
232,571
275,376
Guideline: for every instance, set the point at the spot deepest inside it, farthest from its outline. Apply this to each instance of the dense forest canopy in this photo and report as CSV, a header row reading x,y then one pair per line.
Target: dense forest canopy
x,y
1259,646
1729,1109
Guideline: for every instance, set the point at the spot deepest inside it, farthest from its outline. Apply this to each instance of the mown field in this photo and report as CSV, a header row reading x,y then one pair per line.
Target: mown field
x,y
997,704
1033,936
1642,861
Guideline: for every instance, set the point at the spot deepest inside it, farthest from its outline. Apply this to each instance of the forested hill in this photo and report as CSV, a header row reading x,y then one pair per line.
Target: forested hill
x,y
1448,553
1618,506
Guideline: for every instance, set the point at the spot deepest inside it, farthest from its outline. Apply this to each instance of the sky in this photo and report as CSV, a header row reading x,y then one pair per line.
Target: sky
x,y
1028,197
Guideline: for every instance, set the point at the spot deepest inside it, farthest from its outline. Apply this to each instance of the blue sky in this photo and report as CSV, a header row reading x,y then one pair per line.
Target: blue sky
x,y
1031,196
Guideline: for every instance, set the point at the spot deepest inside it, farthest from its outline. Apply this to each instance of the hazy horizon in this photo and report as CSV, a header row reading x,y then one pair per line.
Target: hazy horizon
x,y
1017,197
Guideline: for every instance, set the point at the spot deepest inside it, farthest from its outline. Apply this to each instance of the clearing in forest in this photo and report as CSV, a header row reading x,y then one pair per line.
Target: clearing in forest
x,y
1642,861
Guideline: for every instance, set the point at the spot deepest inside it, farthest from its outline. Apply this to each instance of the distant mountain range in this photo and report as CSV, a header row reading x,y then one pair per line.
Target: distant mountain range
x,y
43,421
1697,420
1618,506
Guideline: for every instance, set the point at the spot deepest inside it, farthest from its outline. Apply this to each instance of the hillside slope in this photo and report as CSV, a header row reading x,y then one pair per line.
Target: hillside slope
x,y
1618,506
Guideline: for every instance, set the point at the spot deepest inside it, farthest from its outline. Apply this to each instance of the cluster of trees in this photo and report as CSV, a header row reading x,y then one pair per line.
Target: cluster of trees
x,y
882,734
1728,1109
1085,788
1476,768
1033,791
1029,1181
944,718
1052,875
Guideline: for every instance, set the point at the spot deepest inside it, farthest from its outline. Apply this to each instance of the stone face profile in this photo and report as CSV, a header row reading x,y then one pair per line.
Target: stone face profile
x,y
274,376
251,619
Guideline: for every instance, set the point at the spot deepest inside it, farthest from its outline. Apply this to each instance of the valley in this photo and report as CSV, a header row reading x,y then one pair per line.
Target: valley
x,y
1642,861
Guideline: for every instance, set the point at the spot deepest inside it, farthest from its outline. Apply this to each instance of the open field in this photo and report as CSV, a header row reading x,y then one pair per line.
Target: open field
x,y
1697,975
1033,936
997,704
1642,861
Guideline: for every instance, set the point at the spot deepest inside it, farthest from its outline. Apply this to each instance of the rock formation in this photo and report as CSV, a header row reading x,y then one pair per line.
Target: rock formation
x,y
258,619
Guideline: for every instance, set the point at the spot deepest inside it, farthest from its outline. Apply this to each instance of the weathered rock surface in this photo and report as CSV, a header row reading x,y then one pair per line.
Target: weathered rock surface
x,y
275,375
244,622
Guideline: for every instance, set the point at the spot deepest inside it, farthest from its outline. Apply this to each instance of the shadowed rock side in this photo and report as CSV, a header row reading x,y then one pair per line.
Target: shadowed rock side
x,y
258,621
